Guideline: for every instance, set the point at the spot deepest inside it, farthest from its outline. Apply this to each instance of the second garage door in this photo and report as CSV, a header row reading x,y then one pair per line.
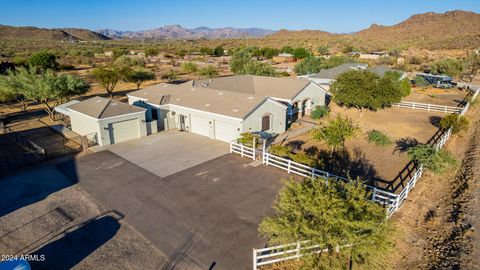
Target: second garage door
x,y
226,132
200,125
123,131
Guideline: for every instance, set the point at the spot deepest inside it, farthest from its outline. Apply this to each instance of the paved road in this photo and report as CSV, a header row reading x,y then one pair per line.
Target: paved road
x,y
169,152
201,217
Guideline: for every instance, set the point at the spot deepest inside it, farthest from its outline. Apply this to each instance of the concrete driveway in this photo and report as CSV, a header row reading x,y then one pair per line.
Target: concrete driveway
x,y
169,152
205,217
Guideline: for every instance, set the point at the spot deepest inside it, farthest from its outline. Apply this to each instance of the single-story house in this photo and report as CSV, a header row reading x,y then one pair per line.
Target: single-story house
x,y
223,108
104,120
327,76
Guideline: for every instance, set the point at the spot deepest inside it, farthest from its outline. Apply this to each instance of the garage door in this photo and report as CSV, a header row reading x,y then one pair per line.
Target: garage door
x,y
225,131
200,125
123,131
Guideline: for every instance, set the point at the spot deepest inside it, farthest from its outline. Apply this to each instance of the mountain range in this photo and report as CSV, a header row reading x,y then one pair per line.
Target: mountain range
x,y
452,29
179,32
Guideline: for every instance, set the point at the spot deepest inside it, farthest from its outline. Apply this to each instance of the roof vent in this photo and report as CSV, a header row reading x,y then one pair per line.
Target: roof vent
x,y
177,99
204,84
114,104
192,89
220,93
207,105
235,110
99,100
250,97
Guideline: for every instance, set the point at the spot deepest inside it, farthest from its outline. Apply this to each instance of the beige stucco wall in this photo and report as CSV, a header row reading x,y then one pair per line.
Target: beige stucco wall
x,y
314,92
278,112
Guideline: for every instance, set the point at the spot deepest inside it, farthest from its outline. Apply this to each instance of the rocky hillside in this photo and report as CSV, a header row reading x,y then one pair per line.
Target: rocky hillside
x,y
179,32
29,32
453,29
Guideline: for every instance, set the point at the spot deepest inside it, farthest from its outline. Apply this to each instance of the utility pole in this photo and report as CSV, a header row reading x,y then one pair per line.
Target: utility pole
x,y
474,65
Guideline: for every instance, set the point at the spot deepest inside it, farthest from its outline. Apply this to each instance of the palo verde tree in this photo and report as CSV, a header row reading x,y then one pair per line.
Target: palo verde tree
x,y
366,90
138,76
259,69
108,78
46,88
208,72
239,59
336,132
218,51
189,67
309,65
338,216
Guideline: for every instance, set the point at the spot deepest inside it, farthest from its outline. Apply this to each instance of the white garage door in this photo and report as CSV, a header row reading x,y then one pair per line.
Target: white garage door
x,y
200,125
225,131
123,131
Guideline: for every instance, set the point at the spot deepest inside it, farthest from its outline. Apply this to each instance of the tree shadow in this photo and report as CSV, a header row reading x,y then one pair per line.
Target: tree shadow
x,y
435,120
78,244
296,144
403,144
311,151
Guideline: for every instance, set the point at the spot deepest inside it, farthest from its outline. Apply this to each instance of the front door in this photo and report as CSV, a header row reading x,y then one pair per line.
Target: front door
x,y
182,122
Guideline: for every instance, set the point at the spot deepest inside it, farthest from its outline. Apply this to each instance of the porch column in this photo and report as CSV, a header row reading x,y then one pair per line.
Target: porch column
x,y
300,108
308,107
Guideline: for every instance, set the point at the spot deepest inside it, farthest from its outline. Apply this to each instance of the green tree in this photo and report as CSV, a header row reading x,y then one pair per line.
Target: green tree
x,y
449,66
338,216
287,49
108,78
323,50
336,132
349,49
189,67
269,53
436,161
125,62
337,61
218,51
206,51
208,72
239,59
43,60
365,90
170,75
309,65
259,69
181,53
45,88
117,52
151,52
139,75
456,122
301,53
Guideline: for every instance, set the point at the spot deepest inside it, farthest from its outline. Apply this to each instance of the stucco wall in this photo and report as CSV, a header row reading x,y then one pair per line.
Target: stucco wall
x,y
278,112
314,92
83,124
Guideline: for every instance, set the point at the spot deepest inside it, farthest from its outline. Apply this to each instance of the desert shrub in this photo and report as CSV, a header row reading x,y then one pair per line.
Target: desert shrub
x,y
319,112
454,121
280,150
435,161
303,158
247,139
284,74
189,67
378,138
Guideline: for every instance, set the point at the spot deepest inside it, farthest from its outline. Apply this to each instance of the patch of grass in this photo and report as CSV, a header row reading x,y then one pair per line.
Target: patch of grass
x,y
280,150
378,138
432,96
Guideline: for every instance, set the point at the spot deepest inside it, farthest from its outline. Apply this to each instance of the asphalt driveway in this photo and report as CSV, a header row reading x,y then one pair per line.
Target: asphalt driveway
x,y
205,217
169,152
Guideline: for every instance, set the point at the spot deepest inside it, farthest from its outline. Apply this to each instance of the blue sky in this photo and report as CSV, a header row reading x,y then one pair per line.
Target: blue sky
x,y
334,16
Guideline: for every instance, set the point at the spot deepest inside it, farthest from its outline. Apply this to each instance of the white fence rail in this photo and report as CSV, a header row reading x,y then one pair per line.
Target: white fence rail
x,y
275,254
427,107
242,150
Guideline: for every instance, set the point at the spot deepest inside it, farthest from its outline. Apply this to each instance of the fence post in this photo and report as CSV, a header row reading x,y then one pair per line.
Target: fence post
x,y
374,194
254,148
254,259
263,151
429,106
241,150
298,250
288,166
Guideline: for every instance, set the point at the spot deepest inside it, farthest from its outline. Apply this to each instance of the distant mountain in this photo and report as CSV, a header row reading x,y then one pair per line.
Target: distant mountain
x,y
179,32
28,32
452,29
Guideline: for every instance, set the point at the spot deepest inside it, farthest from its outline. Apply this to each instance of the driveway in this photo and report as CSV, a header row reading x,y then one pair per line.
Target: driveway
x,y
205,217
169,152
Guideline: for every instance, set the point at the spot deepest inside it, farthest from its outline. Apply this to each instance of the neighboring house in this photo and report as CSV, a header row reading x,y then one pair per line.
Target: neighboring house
x,y
327,76
372,55
223,108
284,58
105,121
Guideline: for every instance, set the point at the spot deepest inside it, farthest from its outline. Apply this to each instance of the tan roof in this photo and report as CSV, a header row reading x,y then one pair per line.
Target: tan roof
x,y
285,88
98,107
233,104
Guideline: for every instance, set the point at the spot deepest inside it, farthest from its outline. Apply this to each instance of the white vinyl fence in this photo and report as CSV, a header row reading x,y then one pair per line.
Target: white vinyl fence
x,y
391,201
427,107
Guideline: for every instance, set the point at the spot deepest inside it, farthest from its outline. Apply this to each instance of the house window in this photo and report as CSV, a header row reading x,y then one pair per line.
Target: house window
x,y
265,122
